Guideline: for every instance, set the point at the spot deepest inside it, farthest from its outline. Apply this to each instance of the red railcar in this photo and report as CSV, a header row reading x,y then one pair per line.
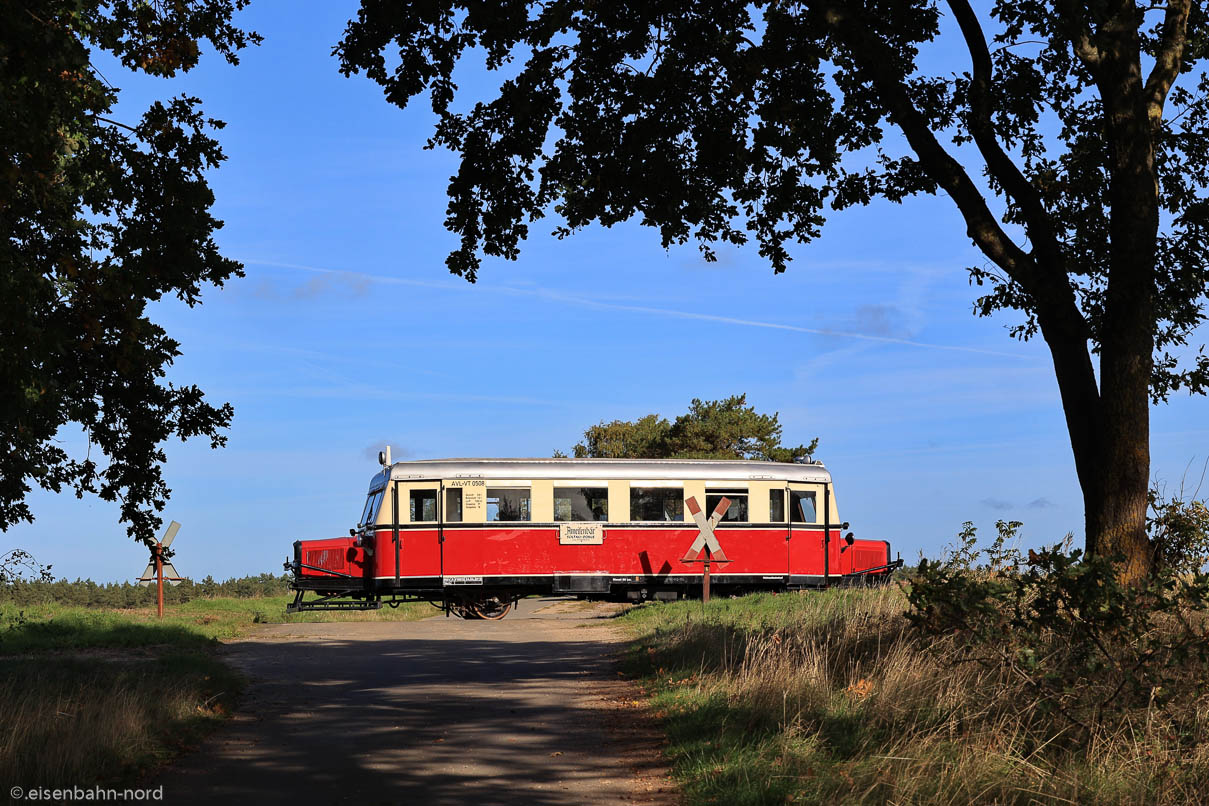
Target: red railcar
x,y
478,534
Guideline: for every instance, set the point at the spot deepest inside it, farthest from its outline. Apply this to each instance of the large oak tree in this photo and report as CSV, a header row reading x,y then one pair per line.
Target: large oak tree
x,y
1071,137
100,216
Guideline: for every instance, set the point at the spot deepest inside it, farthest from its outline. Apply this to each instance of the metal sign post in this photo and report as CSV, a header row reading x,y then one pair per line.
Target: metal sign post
x,y
706,544
158,570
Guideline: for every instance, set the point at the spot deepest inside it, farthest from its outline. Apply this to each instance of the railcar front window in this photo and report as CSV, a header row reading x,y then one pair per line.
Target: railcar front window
x,y
423,505
656,503
370,513
736,512
581,503
507,505
801,507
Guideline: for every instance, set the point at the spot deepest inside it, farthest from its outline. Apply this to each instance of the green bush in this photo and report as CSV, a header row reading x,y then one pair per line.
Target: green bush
x,y
1180,533
1089,652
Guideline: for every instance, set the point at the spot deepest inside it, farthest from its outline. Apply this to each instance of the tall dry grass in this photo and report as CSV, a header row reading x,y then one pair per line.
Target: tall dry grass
x,y
828,697
92,695
99,718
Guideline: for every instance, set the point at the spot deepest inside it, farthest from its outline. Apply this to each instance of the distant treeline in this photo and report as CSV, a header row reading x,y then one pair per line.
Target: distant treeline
x,y
87,593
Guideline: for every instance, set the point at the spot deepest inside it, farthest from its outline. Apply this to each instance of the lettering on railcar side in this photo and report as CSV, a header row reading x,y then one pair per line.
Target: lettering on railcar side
x,y
474,495
462,580
581,534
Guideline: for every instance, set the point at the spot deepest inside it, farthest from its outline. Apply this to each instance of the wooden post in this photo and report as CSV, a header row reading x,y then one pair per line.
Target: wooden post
x,y
705,582
159,575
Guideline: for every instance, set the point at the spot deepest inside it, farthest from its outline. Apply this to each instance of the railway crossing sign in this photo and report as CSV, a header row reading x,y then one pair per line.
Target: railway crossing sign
x,y
159,571
706,543
706,539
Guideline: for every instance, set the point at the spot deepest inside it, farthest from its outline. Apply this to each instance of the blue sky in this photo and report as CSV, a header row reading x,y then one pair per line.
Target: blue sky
x,y
348,333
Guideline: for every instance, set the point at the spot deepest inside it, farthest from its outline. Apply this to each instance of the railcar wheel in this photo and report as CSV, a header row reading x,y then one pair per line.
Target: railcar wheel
x,y
492,609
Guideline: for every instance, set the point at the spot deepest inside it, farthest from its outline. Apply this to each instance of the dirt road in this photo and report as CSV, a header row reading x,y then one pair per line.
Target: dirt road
x,y
527,710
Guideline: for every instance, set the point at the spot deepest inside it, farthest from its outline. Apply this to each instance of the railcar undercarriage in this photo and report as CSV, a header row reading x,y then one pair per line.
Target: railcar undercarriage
x,y
493,603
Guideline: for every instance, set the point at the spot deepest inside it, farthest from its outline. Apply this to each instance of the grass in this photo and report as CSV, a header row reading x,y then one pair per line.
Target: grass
x,y
101,696
196,623
826,697
81,720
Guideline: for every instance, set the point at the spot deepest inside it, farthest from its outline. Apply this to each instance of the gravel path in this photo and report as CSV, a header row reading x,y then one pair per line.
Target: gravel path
x,y
528,710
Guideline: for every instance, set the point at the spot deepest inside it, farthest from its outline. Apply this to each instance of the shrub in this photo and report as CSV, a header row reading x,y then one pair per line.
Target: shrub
x,y
1090,655
19,564
1180,534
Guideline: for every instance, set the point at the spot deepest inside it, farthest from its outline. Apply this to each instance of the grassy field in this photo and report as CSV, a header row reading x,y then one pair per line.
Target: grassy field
x,y
825,697
98,696
196,623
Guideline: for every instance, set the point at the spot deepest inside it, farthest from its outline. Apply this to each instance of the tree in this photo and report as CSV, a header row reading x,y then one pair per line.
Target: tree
x,y
724,120
100,218
715,429
644,438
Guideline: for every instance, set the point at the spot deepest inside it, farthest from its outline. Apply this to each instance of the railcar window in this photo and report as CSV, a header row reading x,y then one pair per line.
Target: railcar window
x,y
369,514
801,507
776,506
581,503
656,503
507,504
423,505
453,505
736,512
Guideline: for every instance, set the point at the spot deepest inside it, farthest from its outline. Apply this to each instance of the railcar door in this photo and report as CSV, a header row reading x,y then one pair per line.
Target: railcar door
x,y
806,530
463,531
751,533
417,549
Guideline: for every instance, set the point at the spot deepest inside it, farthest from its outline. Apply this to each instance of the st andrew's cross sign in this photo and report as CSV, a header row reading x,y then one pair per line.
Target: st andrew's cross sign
x,y
161,570
706,542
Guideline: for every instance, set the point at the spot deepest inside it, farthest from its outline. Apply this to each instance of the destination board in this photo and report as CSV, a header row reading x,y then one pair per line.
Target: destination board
x,y
581,534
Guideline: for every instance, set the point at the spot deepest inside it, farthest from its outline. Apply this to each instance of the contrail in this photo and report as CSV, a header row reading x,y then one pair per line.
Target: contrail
x,y
587,302
730,320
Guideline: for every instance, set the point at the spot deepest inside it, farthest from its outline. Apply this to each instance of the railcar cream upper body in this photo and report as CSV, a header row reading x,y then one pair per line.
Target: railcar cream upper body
x,y
614,491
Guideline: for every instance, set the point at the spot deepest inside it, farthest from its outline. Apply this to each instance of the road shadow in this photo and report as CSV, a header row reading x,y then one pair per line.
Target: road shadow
x,y
449,713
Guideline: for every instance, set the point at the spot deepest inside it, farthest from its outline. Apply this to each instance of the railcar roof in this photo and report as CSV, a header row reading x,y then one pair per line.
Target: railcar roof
x,y
604,469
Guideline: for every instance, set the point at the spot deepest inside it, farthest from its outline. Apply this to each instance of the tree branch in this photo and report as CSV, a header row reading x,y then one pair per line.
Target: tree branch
x,y
1050,289
1062,323
1001,166
981,225
116,123
1079,33
1168,59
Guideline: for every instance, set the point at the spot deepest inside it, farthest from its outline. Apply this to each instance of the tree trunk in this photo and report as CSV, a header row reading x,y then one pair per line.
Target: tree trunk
x,y
1110,439
1116,501
1116,525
